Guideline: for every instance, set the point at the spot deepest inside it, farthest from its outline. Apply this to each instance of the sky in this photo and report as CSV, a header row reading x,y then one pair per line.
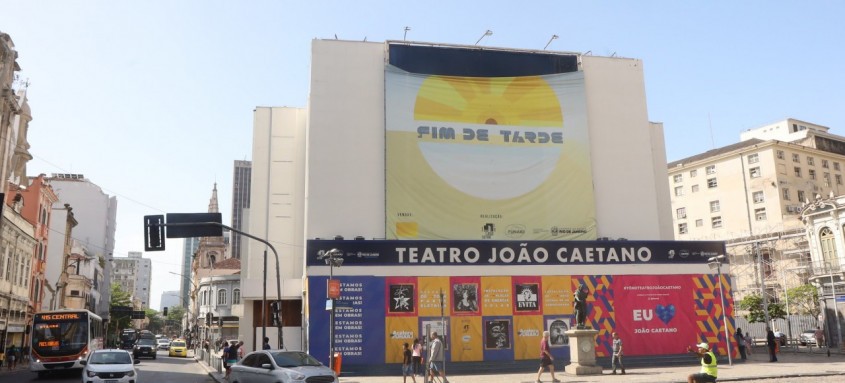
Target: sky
x,y
153,100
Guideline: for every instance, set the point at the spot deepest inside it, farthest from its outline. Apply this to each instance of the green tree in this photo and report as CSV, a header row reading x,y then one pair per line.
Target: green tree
x,y
174,318
155,323
118,320
754,305
804,300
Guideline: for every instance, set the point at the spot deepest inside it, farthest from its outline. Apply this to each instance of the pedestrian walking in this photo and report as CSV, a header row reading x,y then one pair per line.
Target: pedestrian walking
x,y
546,358
749,343
740,343
617,354
12,357
266,345
407,364
709,370
225,357
416,356
436,358
819,335
2,356
772,344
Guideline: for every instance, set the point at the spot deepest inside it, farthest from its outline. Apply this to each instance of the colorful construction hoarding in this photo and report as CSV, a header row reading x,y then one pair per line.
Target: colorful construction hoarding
x,y
502,317
477,156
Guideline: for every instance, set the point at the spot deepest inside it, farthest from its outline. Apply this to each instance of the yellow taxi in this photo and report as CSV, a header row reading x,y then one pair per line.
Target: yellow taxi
x,y
178,347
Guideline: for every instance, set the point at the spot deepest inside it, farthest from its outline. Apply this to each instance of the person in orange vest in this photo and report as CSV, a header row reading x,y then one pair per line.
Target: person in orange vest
x,y
708,371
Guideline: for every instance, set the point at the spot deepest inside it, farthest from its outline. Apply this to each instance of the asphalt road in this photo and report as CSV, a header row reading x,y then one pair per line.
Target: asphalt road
x,y
162,369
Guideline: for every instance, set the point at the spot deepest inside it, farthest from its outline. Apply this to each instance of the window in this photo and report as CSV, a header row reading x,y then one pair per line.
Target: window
x,y
236,296
826,178
811,173
682,228
754,172
785,194
693,173
679,191
828,245
714,206
711,183
758,197
221,297
795,158
824,164
753,158
694,188
780,154
838,179
782,169
801,197
716,222
760,214
710,169
699,223
681,212
836,166
678,178
797,171
810,161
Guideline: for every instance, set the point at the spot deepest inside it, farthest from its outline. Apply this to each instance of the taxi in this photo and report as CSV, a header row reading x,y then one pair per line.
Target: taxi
x,y
178,347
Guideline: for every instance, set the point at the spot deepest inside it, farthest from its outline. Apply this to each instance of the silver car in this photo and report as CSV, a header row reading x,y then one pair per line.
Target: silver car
x,y
271,366
113,366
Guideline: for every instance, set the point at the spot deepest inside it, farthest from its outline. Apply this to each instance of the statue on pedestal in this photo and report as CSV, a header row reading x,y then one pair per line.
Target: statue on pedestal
x,y
581,306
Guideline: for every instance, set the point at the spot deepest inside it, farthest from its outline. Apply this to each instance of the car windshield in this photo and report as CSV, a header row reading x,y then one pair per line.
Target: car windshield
x,y
294,359
163,341
110,358
146,342
177,344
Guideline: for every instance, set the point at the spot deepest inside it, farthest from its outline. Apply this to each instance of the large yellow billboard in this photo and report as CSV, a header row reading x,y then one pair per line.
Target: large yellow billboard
x,y
487,157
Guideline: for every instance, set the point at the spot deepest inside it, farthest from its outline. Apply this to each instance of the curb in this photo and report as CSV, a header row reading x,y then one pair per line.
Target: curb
x,y
210,371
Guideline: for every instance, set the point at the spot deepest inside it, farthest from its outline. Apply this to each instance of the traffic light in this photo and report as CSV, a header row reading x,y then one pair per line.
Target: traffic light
x,y
220,322
275,310
165,311
209,319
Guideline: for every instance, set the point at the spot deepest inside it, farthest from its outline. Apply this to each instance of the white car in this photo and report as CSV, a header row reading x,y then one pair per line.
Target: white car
x,y
111,365
163,344
271,366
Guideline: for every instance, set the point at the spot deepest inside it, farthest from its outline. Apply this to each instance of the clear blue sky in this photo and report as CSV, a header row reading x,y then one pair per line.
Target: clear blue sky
x,y
153,100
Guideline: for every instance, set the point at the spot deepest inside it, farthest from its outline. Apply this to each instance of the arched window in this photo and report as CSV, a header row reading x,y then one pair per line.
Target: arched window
x,y
827,243
236,296
204,299
221,297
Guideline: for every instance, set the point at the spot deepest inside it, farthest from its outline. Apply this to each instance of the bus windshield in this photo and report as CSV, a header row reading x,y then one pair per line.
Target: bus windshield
x,y
56,335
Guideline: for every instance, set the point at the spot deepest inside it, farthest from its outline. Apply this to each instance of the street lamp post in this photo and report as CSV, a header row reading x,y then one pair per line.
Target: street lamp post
x,y
333,258
718,262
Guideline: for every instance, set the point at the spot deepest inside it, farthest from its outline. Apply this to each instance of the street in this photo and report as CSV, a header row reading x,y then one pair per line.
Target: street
x,y
163,369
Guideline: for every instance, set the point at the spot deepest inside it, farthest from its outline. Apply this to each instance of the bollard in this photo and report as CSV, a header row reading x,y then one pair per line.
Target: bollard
x,y
336,362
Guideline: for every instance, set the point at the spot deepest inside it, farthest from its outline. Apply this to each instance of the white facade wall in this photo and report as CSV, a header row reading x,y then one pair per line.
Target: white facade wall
x,y
277,198
96,213
346,145
785,130
142,278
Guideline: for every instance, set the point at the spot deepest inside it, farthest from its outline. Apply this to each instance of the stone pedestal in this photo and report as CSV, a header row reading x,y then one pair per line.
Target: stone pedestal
x,y
582,352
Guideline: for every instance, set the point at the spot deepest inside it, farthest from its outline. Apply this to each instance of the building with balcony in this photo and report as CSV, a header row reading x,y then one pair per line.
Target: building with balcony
x,y
17,252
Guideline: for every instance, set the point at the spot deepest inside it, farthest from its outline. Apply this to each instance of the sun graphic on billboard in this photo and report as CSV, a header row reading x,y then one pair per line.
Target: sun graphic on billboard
x,y
508,132
487,157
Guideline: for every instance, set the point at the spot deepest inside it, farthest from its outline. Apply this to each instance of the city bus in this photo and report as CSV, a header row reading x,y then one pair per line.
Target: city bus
x,y
128,337
61,338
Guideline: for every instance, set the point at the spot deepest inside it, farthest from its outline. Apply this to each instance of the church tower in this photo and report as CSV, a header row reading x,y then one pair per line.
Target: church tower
x,y
211,249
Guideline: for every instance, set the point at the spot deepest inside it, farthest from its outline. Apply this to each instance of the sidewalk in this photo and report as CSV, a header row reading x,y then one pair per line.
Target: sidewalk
x,y
789,364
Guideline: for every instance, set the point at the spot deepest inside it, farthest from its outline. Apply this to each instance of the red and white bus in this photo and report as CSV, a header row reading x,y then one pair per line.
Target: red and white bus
x,y
60,339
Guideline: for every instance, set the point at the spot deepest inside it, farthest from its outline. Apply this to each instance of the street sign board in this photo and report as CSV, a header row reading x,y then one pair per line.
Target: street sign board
x,y
189,225
138,314
333,288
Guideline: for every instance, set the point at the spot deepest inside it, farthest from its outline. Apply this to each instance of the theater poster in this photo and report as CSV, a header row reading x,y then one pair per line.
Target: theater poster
x,y
490,318
487,157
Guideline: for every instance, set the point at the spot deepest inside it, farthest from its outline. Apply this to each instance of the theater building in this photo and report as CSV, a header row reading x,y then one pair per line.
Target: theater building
x,y
469,190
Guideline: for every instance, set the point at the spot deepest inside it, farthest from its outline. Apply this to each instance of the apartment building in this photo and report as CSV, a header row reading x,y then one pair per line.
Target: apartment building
x,y
751,194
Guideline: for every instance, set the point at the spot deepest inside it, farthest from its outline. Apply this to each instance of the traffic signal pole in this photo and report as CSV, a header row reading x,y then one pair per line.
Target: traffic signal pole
x,y
154,225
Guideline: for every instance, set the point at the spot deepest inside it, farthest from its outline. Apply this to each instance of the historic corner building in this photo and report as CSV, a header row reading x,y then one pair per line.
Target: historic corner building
x,y
469,191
